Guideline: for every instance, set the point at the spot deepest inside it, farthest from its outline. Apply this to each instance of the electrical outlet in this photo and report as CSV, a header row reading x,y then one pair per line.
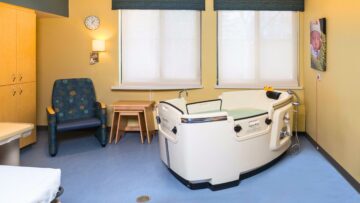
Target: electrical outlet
x,y
318,76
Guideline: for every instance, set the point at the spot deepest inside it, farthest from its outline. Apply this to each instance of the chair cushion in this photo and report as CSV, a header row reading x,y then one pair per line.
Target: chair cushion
x,y
73,99
78,124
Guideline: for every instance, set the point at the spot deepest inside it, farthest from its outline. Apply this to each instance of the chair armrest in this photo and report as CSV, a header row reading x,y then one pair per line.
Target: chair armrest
x,y
51,116
101,112
52,128
101,104
50,111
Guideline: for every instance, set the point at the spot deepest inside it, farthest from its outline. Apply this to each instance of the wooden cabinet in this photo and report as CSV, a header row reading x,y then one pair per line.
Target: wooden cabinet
x,y
18,67
26,113
20,100
8,103
8,45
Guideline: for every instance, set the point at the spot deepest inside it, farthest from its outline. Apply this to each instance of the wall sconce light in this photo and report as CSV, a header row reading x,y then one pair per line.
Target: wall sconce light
x,y
97,46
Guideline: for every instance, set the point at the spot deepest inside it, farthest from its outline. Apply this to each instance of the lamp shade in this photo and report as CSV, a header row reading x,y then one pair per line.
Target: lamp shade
x,y
98,45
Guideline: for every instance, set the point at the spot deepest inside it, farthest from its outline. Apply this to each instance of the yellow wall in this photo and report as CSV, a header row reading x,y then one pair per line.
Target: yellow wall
x,y
64,45
332,104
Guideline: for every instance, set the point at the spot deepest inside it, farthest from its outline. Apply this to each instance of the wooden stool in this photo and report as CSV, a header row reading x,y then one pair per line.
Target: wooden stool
x,y
123,110
121,124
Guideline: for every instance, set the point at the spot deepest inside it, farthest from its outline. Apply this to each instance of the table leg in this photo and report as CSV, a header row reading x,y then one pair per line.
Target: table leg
x,y
141,127
150,121
113,126
118,129
146,118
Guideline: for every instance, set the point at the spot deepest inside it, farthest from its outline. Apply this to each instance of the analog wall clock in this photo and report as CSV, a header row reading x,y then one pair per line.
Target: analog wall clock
x,y
92,22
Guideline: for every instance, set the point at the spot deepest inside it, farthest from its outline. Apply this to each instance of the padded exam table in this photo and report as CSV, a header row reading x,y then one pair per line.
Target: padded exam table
x,y
24,184
10,133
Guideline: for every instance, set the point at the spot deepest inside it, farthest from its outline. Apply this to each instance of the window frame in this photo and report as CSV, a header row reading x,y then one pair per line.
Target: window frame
x,y
135,86
277,85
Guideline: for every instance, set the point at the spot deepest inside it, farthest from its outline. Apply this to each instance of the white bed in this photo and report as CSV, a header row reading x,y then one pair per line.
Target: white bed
x,y
28,184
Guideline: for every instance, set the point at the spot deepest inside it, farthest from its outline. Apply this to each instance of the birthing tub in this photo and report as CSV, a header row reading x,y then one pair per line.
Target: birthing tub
x,y
215,143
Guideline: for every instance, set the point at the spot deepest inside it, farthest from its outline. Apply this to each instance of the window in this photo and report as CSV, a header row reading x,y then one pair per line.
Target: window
x,y
160,49
257,48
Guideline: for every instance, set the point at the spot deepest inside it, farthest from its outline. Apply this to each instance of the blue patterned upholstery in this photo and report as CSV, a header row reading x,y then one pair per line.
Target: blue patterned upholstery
x,y
73,99
75,107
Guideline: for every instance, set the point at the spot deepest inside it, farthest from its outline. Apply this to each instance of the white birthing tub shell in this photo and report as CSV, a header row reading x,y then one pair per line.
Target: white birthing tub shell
x,y
217,141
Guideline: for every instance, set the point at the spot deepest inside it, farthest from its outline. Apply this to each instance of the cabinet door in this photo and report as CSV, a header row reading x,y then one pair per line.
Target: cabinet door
x,y
8,45
8,103
26,108
26,46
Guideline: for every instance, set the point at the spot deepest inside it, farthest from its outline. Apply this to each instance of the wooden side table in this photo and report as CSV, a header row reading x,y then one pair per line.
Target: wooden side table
x,y
123,110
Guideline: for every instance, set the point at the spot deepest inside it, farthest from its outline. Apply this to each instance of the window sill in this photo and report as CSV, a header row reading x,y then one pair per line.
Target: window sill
x,y
279,87
155,87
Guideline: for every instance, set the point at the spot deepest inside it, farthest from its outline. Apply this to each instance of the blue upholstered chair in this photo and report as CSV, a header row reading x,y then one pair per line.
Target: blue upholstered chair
x,y
74,107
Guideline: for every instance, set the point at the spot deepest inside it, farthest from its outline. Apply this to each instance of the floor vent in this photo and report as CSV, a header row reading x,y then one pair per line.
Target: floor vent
x,y
142,199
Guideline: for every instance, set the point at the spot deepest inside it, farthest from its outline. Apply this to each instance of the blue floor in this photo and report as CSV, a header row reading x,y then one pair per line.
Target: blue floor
x,y
122,172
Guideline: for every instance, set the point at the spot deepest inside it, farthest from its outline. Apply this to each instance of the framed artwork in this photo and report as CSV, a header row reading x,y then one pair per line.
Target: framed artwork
x,y
318,44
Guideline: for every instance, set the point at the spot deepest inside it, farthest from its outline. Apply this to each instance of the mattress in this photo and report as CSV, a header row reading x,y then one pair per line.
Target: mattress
x,y
28,185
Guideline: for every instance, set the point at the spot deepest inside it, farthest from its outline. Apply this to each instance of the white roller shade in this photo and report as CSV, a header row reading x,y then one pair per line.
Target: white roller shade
x,y
160,48
257,48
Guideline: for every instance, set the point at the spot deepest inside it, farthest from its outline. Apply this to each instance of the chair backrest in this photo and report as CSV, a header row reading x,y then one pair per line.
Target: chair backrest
x,y
73,99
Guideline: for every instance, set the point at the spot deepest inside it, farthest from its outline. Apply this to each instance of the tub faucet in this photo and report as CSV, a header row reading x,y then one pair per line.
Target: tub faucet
x,y
297,99
186,93
295,148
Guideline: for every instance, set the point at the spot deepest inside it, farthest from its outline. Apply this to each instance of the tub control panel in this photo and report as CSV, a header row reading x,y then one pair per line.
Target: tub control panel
x,y
254,124
250,126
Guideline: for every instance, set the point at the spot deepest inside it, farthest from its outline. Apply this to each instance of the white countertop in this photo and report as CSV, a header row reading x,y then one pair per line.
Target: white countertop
x,y
12,131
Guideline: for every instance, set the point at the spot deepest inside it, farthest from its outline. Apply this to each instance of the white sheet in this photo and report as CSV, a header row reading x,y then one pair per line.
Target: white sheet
x,y
28,185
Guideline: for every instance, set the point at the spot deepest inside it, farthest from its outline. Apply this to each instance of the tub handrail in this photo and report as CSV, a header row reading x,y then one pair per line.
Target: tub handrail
x,y
204,102
168,136
172,105
204,117
279,104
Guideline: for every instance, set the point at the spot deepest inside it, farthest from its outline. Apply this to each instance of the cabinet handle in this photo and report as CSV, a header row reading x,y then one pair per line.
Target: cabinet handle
x,y
21,91
13,92
20,77
13,77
